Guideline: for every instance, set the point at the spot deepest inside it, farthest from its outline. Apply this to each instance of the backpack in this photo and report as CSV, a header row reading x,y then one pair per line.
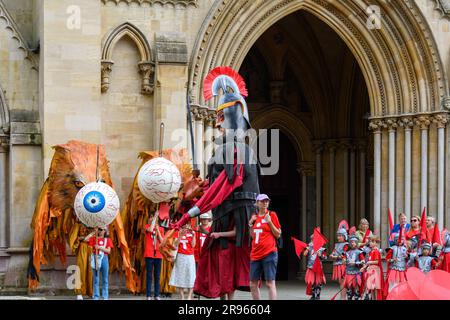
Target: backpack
x,y
280,239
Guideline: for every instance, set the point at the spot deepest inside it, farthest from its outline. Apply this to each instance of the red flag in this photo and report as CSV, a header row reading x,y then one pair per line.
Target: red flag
x,y
391,222
423,226
444,231
299,246
436,235
319,239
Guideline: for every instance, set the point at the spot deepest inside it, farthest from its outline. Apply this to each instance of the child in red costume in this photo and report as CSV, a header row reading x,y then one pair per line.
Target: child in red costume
x,y
338,257
396,257
354,260
374,279
314,277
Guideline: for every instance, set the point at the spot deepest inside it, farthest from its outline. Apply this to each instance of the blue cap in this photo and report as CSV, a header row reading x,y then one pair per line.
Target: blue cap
x,y
262,197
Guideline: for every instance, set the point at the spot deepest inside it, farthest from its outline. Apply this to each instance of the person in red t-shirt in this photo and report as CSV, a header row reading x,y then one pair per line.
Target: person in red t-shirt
x,y
102,247
183,273
204,230
265,229
153,237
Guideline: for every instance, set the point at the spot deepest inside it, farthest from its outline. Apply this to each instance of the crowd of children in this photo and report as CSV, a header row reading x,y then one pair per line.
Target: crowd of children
x,y
358,259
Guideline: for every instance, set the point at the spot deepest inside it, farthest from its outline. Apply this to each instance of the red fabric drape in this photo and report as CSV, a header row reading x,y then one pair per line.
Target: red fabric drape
x,y
220,190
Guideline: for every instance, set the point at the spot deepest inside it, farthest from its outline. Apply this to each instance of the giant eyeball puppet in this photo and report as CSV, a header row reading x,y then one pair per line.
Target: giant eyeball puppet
x,y
96,205
159,180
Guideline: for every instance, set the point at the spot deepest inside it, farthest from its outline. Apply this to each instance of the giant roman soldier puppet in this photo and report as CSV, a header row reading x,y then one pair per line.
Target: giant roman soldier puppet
x,y
233,186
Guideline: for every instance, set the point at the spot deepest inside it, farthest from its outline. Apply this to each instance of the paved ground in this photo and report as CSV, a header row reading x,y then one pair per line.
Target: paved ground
x,y
292,290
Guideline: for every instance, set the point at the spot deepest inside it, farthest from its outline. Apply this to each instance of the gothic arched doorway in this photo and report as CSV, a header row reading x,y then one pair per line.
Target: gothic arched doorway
x,y
303,79
398,92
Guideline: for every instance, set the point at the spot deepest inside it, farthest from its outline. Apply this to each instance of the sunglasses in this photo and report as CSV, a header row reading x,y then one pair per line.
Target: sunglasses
x,y
414,220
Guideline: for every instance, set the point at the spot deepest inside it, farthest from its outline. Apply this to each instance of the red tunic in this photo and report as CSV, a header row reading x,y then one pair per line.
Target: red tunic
x,y
152,251
102,242
222,270
200,241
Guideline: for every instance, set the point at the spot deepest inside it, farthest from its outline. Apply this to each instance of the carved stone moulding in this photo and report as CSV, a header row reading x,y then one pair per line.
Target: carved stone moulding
x,y
16,34
106,71
147,70
420,120
444,7
306,168
4,143
200,113
182,3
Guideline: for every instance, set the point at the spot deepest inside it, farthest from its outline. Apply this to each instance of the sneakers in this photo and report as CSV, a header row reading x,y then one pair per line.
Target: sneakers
x,y
149,298
157,298
79,297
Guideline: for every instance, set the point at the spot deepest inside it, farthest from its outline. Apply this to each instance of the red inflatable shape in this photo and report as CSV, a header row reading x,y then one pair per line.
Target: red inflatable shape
x,y
402,291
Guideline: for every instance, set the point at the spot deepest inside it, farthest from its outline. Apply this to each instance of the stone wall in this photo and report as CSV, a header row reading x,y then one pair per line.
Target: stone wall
x,y
20,139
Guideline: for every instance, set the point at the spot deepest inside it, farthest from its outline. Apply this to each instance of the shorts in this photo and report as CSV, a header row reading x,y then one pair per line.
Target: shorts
x,y
268,264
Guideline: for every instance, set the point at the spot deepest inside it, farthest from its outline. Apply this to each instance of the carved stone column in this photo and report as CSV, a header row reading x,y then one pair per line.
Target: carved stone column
x,y
407,123
345,147
318,149
209,136
441,122
4,146
352,198
306,169
106,68
424,122
376,126
392,127
147,70
331,185
362,179
199,113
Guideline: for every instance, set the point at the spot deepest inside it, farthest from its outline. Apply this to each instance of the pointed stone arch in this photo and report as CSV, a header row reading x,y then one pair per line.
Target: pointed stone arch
x,y
278,117
145,65
17,36
395,85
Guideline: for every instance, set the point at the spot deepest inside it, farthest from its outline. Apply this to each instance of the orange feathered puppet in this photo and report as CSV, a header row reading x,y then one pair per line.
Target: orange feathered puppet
x,y
138,208
54,222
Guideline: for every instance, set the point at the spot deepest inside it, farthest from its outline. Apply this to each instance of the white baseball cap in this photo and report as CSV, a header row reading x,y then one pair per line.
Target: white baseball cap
x,y
206,215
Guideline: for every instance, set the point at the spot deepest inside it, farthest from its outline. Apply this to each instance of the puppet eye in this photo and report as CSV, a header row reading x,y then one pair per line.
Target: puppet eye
x,y
79,184
94,201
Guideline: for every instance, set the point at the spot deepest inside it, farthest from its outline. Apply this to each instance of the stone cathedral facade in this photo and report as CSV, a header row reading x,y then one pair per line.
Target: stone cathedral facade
x,y
358,90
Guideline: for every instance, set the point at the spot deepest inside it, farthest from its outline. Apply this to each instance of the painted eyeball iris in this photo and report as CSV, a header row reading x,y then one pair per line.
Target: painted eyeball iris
x,y
94,201
96,204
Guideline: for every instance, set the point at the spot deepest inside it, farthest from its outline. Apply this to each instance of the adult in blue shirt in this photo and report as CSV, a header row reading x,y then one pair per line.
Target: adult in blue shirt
x,y
396,229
